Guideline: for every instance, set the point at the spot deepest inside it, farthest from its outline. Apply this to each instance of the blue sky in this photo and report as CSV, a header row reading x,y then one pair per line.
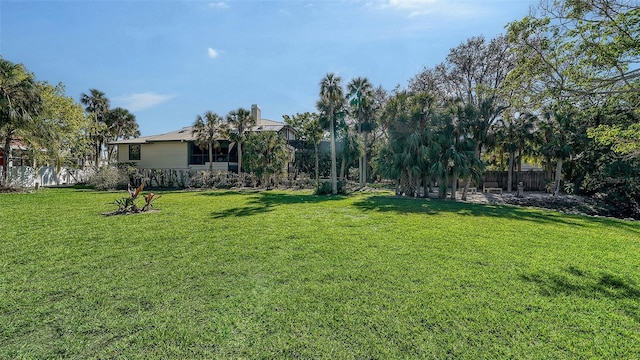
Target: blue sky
x,y
168,61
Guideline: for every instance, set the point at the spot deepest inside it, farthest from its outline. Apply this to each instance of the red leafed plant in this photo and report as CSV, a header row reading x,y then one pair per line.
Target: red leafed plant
x,y
127,205
150,197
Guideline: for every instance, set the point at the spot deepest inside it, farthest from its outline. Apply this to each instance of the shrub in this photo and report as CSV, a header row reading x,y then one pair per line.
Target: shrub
x,y
324,188
108,178
128,204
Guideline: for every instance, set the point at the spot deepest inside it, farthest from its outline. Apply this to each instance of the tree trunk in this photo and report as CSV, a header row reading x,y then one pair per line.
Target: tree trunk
x,y
342,165
512,155
466,188
317,165
558,176
454,185
6,158
360,159
210,159
239,158
365,161
98,151
476,153
110,150
334,179
548,168
442,188
360,179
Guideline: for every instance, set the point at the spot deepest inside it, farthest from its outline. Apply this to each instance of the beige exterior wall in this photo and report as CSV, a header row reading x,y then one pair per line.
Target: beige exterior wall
x,y
160,155
165,155
122,151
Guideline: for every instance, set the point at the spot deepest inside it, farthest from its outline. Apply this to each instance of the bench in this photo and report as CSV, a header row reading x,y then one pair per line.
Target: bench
x,y
488,187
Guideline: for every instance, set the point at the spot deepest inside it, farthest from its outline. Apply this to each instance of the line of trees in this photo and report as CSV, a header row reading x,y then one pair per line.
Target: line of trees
x,y
560,89
106,124
268,152
55,129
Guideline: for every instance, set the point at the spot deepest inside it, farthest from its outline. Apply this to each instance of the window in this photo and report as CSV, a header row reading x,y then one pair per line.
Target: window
x,y
134,152
199,156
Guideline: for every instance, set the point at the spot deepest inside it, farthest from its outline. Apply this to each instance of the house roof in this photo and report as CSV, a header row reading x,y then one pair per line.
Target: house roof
x,y
16,144
185,134
269,125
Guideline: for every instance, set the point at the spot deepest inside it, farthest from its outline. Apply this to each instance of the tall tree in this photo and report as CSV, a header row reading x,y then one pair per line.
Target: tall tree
x,y
350,148
473,74
62,126
207,129
555,139
20,101
514,133
121,124
331,102
623,140
452,150
585,52
361,100
239,122
595,44
268,156
406,158
308,127
97,105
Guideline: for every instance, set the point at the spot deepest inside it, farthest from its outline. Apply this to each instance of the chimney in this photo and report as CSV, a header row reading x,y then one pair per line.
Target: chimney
x,y
255,113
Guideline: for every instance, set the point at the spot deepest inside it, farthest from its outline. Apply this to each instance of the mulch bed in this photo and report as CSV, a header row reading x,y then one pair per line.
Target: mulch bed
x,y
570,204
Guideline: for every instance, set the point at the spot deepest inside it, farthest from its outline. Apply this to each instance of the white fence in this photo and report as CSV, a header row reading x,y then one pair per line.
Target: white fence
x,y
27,176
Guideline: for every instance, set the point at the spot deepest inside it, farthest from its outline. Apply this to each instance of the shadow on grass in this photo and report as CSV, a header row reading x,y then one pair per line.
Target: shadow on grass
x,y
574,281
123,190
436,206
259,202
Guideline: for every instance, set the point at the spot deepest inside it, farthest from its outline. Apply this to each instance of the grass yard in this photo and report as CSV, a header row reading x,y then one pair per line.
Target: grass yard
x,y
290,275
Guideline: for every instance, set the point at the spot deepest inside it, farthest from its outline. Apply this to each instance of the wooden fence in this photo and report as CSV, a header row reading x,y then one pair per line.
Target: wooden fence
x,y
532,180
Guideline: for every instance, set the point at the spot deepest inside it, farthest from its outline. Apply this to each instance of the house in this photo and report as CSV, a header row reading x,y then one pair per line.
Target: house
x,y
177,150
19,151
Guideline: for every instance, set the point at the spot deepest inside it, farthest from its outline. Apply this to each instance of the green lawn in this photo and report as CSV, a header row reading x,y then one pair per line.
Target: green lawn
x,y
290,275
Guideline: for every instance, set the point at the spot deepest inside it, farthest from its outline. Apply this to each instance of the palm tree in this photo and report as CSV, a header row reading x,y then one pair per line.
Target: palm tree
x,y
331,101
314,133
268,156
514,135
207,130
309,127
239,123
405,157
555,133
97,105
360,96
20,100
351,149
121,124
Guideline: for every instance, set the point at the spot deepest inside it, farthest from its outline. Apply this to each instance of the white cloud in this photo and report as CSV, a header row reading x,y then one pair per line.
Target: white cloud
x,y
442,7
212,53
411,4
142,101
218,5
